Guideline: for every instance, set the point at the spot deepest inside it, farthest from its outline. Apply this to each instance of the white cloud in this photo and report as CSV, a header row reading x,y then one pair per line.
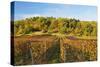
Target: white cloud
x,y
29,15
23,16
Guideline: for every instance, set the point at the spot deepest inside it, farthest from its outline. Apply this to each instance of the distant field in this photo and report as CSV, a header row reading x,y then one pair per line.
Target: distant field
x,y
44,49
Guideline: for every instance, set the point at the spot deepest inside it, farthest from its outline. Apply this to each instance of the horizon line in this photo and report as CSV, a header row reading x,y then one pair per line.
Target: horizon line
x,y
53,17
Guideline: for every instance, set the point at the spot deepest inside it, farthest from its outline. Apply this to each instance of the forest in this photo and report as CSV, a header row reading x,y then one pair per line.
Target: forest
x,y
50,25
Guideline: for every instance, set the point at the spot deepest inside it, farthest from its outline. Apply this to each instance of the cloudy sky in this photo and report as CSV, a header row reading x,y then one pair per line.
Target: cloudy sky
x,y
24,10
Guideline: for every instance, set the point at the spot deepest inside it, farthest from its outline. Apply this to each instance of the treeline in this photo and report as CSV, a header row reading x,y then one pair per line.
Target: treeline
x,y
55,25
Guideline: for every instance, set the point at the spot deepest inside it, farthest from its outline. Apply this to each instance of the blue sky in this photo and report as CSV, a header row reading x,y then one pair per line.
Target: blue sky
x,y
24,10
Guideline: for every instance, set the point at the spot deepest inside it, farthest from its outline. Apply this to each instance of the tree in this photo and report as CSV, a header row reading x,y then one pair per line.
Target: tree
x,y
55,25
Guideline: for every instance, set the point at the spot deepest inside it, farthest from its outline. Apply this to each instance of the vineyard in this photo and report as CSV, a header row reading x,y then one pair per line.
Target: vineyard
x,y
43,49
47,40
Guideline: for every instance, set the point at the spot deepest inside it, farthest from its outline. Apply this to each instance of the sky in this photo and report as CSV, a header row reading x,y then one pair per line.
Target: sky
x,y
24,10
